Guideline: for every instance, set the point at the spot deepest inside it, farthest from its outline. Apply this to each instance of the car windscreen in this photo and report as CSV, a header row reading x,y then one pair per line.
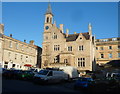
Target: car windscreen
x,y
43,72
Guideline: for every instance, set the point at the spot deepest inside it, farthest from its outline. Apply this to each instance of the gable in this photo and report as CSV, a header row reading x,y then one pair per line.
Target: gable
x,y
56,32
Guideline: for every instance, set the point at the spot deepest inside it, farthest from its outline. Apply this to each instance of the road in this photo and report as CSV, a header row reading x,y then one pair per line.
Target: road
x,y
18,86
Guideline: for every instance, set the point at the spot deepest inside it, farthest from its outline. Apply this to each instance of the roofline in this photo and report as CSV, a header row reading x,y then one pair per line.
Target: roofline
x,y
108,38
18,41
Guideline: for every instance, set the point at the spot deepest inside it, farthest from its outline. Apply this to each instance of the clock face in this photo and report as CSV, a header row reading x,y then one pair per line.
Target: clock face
x,y
47,27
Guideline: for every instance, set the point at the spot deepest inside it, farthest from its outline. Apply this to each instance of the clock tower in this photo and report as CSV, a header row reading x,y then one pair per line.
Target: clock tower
x,y
48,19
47,36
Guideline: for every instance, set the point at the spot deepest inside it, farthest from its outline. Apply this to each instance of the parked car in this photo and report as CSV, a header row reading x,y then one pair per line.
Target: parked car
x,y
84,83
35,70
2,70
16,73
8,74
26,75
50,76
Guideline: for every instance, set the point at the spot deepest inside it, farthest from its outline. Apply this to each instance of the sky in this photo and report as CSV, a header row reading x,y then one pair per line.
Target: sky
x,y
25,20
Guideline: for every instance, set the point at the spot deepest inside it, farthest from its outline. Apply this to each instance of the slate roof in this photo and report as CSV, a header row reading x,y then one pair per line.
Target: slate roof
x,y
86,35
73,37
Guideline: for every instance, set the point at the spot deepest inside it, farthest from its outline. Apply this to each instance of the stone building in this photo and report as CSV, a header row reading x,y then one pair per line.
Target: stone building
x,y
107,50
64,49
15,53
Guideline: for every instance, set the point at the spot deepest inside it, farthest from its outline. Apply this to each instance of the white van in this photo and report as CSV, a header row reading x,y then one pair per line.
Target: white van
x,y
71,71
50,76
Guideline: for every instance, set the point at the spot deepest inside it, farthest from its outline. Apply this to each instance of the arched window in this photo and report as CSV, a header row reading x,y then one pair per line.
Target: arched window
x,y
47,19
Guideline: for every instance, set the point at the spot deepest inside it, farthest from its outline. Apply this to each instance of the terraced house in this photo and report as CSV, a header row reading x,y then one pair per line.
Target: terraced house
x,y
15,53
107,50
64,49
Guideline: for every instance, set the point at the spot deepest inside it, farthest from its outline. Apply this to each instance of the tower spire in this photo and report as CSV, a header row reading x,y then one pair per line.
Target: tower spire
x,y
49,9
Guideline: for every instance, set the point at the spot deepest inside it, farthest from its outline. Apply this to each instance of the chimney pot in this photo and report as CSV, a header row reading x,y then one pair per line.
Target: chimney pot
x,y
25,41
11,35
31,42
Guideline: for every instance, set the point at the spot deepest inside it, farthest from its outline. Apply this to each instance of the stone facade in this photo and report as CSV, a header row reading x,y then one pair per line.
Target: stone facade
x,y
1,43
64,49
15,53
107,50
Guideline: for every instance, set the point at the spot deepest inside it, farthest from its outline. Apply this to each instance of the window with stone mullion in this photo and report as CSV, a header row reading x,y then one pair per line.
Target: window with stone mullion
x,y
81,48
81,62
69,48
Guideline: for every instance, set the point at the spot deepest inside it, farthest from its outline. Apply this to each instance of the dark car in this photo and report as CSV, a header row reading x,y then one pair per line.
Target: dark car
x,y
16,73
84,83
2,70
8,73
13,74
26,75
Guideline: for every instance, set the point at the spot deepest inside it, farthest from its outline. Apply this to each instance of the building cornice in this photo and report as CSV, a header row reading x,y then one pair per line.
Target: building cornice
x,y
15,40
108,43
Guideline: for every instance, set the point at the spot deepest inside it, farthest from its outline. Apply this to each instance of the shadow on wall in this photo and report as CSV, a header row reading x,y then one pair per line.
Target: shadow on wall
x,y
94,67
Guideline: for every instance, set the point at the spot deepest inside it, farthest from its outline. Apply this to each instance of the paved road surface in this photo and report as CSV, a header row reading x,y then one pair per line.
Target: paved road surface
x,y
15,86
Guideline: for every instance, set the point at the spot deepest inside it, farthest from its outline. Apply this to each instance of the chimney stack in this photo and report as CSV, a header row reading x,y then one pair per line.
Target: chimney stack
x,y
67,32
74,32
11,35
2,28
61,27
24,40
31,42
